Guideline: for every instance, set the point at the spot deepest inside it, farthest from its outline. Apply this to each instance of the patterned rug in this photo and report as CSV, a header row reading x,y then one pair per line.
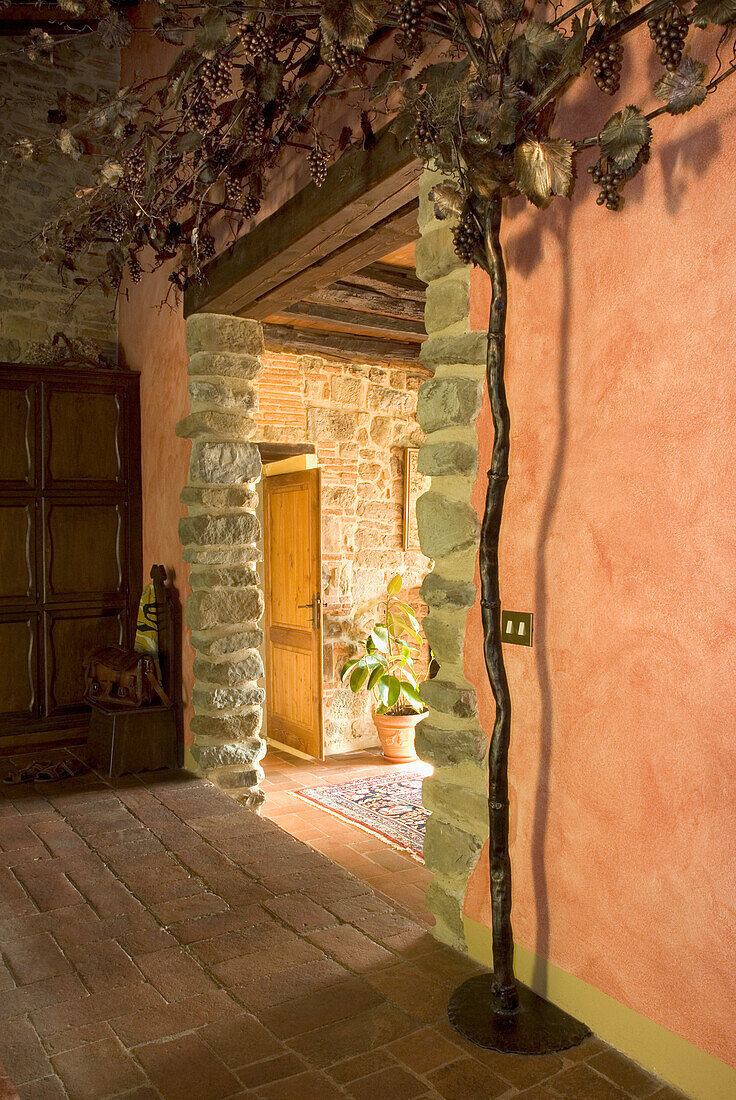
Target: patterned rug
x,y
388,805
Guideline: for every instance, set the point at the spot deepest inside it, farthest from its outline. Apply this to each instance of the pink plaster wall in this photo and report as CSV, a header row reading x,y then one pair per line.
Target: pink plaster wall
x,y
620,535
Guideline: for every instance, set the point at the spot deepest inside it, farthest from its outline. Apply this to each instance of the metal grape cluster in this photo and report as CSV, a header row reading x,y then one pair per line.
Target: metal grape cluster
x,y
185,158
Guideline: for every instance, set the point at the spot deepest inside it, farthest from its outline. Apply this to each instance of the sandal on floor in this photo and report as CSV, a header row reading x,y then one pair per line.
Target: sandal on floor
x,y
66,769
27,775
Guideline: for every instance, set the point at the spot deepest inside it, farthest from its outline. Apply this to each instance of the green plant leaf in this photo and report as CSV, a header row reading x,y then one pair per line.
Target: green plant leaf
x,y
412,695
683,89
719,12
393,690
394,585
374,677
379,637
544,168
624,136
358,678
347,668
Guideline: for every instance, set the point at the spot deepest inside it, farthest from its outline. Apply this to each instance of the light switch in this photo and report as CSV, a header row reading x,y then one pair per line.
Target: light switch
x,y
517,627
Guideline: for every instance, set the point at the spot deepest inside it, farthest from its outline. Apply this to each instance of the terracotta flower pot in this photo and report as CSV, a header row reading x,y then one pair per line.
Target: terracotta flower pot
x,y
396,733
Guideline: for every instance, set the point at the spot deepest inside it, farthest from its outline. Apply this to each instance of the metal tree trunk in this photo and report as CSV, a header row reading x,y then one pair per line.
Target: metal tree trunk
x,y
498,789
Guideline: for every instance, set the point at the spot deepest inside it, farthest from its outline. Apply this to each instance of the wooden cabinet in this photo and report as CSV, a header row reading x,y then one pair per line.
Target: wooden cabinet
x,y
70,538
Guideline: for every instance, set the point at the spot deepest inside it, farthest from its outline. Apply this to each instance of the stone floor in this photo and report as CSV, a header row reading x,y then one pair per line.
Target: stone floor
x,y
364,854
158,940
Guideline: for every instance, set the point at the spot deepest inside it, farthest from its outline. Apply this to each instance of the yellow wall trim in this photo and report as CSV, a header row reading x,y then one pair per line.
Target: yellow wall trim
x,y
671,1057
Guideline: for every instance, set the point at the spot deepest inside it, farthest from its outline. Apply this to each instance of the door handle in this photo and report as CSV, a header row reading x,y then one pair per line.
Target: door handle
x,y
314,604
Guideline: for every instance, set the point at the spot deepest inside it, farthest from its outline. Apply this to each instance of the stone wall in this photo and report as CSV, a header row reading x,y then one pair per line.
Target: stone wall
x,y
450,738
33,303
359,418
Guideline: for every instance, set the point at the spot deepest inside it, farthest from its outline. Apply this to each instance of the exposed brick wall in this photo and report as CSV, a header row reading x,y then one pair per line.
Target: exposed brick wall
x,y
360,419
33,303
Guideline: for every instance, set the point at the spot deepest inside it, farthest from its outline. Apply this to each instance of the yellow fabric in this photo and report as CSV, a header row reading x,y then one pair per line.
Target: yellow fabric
x,y
146,635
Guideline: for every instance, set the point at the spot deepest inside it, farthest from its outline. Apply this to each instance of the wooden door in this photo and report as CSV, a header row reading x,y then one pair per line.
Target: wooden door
x,y
70,542
293,573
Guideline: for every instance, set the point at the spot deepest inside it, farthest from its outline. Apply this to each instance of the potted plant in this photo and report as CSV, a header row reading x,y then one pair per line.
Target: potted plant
x,y
386,668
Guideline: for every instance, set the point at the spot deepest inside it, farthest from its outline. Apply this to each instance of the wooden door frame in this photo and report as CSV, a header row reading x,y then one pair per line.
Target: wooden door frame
x,y
366,208
319,678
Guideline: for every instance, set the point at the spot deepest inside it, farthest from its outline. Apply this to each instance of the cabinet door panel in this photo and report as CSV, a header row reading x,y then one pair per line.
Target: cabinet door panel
x,y
18,695
85,550
17,420
17,549
83,442
70,636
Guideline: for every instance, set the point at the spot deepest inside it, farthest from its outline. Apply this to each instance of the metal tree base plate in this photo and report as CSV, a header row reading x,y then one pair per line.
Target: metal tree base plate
x,y
538,1027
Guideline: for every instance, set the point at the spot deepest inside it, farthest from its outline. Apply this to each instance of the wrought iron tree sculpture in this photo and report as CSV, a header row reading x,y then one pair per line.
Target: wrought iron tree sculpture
x,y
476,87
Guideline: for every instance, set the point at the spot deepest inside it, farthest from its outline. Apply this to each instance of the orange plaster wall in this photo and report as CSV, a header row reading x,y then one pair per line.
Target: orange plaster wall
x,y
620,535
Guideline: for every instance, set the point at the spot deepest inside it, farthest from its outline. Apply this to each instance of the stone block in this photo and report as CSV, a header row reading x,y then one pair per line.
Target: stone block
x,y
435,254
445,525
446,402
227,645
222,332
445,633
449,850
225,365
205,698
447,908
448,301
229,530
236,577
245,754
437,591
231,673
207,610
224,463
334,425
448,698
220,555
216,498
446,748
346,391
381,430
216,425
242,400
448,459
237,777
228,728
464,347
394,402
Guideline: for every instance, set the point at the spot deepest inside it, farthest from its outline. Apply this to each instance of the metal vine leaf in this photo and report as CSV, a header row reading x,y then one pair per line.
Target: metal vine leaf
x,y
624,136
534,53
683,89
720,12
544,169
610,11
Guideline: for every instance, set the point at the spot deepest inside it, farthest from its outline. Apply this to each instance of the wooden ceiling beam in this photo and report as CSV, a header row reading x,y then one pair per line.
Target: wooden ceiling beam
x,y
343,346
344,294
362,188
387,279
353,320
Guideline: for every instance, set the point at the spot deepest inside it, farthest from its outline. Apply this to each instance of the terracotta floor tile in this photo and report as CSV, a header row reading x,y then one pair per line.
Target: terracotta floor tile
x,y
392,1083
467,1078
359,1034
583,1083
274,1069
167,1021
97,1070
240,1040
362,1065
306,1086
34,958
184,1068
23,1057
104,965
175,974
300,913
424,1050
315,1010
622,1072
47,1088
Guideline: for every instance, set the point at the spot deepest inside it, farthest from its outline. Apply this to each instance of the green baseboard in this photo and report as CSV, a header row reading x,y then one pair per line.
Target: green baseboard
x,y
678,1062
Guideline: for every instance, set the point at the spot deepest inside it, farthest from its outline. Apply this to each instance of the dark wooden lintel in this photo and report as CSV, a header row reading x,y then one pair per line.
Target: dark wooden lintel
x,y
344,346
362,188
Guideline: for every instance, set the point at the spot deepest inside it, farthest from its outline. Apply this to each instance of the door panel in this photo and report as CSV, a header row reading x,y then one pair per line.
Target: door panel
x,y
293,568
17,419
17,552
84,550
18,668
70,635
82,437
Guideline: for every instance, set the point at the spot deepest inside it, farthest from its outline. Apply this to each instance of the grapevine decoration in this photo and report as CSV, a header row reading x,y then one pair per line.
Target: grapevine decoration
x,y
186,159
